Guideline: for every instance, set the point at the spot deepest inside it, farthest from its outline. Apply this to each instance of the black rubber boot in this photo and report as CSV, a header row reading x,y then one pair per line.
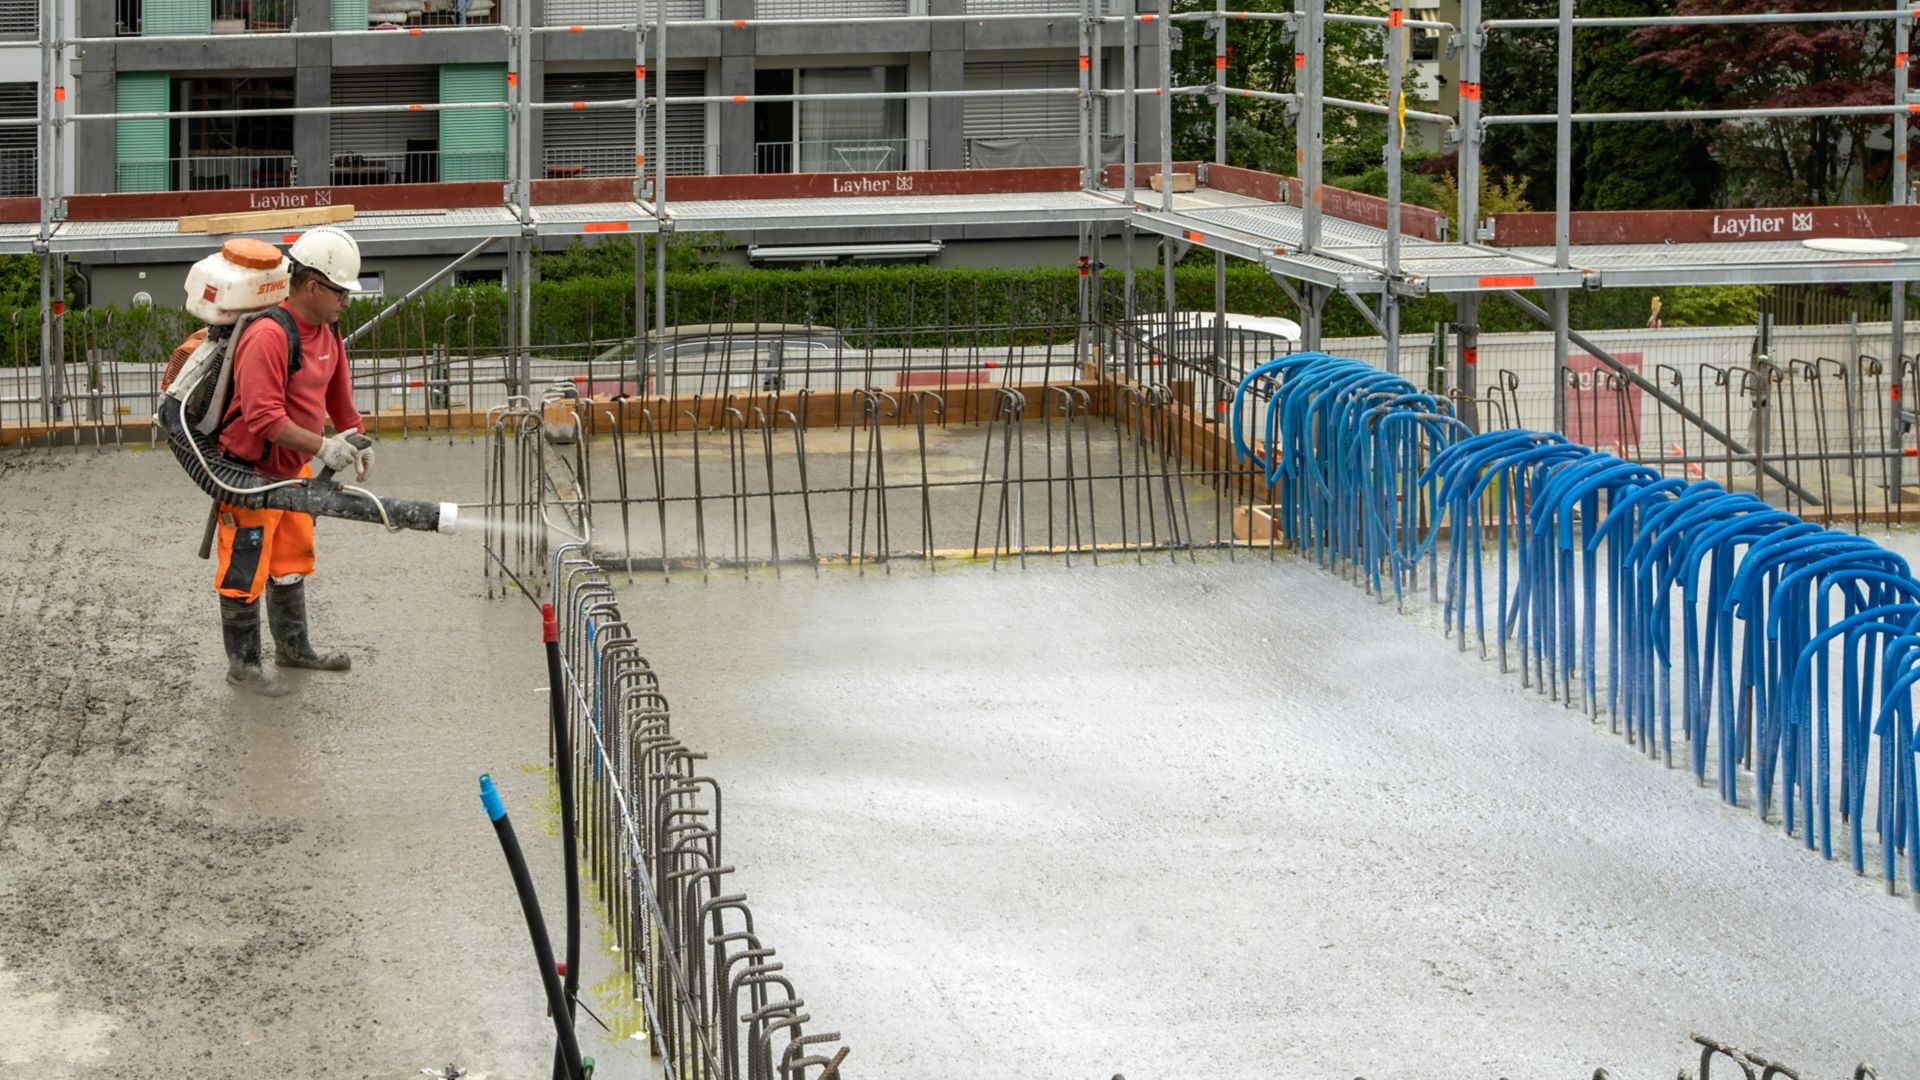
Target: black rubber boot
x,y
240,625
287,614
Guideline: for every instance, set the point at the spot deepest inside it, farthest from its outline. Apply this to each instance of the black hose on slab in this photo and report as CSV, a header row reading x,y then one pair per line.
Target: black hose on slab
x,y
563,771
569,1049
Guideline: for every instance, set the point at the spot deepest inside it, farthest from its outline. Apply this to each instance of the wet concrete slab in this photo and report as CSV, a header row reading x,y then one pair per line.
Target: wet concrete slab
x,y
194,883
1228,819
1174,818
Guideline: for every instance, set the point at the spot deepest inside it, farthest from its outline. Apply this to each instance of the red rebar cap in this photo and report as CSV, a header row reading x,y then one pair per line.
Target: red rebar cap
x,y
549,627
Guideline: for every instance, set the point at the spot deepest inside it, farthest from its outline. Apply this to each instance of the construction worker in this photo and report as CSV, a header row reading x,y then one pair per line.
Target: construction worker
x,y
290,377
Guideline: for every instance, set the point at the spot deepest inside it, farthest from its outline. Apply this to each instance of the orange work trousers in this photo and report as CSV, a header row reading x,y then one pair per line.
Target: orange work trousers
x,y
256,545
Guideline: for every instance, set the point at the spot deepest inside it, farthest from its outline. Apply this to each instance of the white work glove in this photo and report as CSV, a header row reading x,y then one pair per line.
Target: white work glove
x,y
337,453
362,464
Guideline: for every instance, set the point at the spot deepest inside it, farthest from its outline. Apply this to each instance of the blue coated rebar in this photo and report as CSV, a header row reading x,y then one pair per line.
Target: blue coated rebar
x,y
1793,638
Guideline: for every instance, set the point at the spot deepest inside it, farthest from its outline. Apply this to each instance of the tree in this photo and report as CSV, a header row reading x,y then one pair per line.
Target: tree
x,y
1261,134
1615,166
1516,76
1789,65
1636,166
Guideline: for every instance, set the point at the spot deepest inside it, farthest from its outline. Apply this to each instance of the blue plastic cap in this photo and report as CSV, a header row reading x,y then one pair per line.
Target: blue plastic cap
x,y
490,798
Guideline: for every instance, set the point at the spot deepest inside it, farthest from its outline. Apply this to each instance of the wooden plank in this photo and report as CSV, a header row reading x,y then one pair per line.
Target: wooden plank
x,y
1258,526
1181,182
262,220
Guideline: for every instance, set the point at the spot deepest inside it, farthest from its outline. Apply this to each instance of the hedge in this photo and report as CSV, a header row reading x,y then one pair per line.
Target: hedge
x,y
870,305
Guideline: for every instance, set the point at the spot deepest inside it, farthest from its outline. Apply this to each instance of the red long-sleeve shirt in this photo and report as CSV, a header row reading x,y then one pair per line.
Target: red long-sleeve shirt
x,y
264,400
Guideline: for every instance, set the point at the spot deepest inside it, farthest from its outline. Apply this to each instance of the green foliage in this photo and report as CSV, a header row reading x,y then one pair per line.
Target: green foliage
x,y
1645,166
1822,66
1416,188
1498,194
1260,57
612,256
1712,305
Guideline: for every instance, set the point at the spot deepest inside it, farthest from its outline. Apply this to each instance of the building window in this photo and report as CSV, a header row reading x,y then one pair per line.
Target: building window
x,y
234,151
384,147
856,135
19,18
1028,130
599,142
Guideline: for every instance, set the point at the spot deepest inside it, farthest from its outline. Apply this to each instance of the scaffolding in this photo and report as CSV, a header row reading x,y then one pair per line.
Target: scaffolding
x,y
1314,240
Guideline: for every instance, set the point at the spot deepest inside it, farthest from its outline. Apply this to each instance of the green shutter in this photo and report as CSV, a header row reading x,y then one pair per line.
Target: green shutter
x,y
140,146
176,17
349,14
473,142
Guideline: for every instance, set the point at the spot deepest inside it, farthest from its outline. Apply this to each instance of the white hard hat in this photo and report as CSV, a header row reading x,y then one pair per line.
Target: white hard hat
x,y
330,251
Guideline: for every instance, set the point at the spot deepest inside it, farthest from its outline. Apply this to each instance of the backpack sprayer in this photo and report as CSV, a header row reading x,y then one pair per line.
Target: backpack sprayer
x,y
228,290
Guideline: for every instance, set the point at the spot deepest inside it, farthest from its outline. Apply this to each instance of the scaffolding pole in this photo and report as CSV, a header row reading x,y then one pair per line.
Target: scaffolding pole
x,y
1469,133
1309,60
1897,304
1562,200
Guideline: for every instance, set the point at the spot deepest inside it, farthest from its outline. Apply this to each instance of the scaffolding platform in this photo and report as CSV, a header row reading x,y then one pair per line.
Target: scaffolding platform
x,y
901,211
1352,254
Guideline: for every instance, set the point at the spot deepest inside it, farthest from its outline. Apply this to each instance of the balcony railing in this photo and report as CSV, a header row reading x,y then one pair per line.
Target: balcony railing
x,y
394,14
352,168
252,16
224,17
213,173
566,163
849,154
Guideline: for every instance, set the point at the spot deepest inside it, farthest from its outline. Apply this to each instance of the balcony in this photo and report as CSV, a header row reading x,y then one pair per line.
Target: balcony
x,y
854,153
398,14
133,18
568,163
211,173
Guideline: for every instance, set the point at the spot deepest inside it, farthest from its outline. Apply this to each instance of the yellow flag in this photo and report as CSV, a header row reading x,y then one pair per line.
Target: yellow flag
x,y
1403,119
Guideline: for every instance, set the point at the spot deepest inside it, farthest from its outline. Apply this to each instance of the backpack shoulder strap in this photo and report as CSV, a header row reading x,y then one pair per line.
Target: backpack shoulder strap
x,y
281,316
285,319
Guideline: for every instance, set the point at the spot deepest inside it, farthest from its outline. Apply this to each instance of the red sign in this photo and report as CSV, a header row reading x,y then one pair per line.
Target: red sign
x,y
1535,229
1603,409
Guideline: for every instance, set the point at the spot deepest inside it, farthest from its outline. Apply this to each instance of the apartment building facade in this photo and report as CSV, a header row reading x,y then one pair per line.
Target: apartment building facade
x,y
197,55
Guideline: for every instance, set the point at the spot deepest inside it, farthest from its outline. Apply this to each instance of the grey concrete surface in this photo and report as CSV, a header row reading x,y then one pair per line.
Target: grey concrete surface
x,y
1237,820
1213,819
195,884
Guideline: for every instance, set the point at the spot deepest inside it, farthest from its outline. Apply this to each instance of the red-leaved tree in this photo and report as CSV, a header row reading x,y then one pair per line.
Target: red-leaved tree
x,y
1821,160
